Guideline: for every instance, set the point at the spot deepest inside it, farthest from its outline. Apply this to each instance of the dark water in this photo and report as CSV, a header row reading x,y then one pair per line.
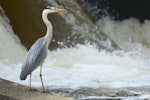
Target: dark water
x,y
25,17
117,9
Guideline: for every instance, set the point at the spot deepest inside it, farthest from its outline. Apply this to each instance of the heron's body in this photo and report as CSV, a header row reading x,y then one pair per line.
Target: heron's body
x,y
35,57
38,51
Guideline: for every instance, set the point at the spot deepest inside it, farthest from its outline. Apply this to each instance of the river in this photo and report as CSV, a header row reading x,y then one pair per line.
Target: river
x,y
85,71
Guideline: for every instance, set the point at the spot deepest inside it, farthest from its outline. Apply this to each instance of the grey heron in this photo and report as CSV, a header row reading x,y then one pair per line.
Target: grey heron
x,y
38,51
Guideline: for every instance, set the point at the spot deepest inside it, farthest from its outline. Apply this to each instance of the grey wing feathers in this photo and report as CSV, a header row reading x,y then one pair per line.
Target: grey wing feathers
x,y
35,57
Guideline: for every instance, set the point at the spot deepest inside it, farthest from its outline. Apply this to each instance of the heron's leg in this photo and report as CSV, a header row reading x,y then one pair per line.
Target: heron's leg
x,y
41,77
30,82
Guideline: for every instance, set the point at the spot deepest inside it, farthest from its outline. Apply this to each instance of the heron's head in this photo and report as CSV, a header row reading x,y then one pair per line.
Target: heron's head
x,y
50,9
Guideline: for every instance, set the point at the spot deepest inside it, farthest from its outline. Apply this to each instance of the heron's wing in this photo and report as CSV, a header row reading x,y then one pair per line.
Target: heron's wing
x,y
36,55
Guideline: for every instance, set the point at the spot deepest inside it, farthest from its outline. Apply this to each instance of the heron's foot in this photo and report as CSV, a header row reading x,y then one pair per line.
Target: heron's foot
x,y
31,89
44,91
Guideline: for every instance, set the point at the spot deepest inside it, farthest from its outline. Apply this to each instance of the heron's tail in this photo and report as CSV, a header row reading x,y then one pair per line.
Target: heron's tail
x,y
23,75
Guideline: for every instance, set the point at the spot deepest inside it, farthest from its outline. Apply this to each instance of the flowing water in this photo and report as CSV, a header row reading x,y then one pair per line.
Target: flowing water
x,y
83,71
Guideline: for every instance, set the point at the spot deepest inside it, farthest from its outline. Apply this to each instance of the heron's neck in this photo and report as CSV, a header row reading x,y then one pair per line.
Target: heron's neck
x,y
48,36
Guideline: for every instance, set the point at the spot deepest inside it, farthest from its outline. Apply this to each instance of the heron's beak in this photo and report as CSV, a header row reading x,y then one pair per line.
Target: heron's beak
x,y
59,10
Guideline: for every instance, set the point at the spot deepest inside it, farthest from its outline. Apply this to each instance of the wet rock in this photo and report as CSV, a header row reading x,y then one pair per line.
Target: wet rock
x,y
14,91
86,93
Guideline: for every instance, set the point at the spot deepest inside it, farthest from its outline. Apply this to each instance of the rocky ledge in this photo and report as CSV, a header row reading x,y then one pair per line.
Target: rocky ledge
x,y
14,91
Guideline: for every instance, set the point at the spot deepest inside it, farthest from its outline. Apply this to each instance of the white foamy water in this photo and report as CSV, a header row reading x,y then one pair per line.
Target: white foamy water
x,y
129,34
84,66
10,46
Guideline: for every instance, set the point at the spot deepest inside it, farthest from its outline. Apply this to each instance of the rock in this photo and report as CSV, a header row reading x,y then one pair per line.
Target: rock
x,y
14,91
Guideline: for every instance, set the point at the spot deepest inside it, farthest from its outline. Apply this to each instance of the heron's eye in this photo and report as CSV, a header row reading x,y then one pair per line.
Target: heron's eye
x,y
52,8
48,7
